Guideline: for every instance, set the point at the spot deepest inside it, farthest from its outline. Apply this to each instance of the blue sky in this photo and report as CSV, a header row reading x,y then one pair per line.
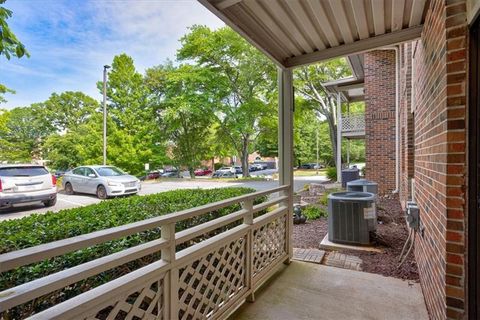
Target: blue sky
x,y
70,40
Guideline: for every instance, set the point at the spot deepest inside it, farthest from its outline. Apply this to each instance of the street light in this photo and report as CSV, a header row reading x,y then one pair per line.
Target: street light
x,y
105,67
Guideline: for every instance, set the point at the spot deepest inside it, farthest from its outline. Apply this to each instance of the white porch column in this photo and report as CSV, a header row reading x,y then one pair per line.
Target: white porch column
x,y
285,143
339,137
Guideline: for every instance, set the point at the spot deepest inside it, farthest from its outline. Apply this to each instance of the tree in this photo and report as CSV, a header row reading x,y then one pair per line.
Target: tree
x,y
185,110
306,124
133,115
22,134
68,110
126,95
9,45
308,82
244,78
83,145
3,90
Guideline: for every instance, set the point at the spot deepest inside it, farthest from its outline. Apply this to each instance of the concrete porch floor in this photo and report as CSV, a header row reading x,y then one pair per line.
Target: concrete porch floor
x,y
312,291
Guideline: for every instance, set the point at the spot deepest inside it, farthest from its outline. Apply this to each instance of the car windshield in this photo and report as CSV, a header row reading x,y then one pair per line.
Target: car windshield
x,y
110,171
23,171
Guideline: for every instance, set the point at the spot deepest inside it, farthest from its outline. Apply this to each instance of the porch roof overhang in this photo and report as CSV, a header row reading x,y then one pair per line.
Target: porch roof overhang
x,y
299,32
351,89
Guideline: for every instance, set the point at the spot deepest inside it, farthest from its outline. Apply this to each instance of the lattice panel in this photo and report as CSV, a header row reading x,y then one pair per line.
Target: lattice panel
x,y
269,242
353,122
147,303
210,282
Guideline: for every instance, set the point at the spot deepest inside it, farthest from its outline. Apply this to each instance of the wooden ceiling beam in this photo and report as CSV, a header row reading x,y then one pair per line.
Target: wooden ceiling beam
x,y
341,20
417,12
398,6
360,18
378,10
322,21
279,35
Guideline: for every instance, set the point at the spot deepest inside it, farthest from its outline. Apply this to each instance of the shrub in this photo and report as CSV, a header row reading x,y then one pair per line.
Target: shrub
x,y
314,212
37,229
332,173
323,200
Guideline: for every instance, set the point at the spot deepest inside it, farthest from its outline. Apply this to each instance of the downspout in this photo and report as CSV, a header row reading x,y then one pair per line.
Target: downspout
x,y
397,120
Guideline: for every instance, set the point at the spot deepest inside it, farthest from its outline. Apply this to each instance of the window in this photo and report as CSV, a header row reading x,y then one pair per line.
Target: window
x,y
23,171
89,171
79,171
110,171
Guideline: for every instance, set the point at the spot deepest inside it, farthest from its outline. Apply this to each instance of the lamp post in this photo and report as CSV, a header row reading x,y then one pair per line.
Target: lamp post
x,y
105,67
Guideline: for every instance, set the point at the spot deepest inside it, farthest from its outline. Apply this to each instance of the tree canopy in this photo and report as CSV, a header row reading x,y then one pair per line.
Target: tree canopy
x,y
244,80
10,46
217,99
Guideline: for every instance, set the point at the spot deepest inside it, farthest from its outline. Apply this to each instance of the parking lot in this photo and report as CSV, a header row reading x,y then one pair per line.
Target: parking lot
x,y
65,201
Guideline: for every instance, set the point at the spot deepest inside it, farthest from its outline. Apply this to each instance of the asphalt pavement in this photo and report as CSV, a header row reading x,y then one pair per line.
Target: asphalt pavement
x,y
65,201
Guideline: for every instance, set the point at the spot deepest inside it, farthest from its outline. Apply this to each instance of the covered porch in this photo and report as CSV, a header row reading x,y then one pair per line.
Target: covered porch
x,y
227,260
312,291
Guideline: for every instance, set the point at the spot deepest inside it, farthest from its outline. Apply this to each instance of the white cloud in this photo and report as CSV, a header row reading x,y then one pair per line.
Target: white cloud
x,y
71,41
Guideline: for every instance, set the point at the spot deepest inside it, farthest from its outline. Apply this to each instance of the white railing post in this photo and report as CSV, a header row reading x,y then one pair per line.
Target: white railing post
x,y
171,278
248,220
285,147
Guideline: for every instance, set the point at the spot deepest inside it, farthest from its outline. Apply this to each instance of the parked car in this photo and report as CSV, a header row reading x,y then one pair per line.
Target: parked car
x,y
59,173
103,181
307,166
170,174
226,169
27,183
258,166
203,172
153,175
238,170
224,174
318,166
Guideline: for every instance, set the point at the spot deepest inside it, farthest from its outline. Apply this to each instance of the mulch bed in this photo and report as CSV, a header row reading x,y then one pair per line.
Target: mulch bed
x,y
309,234
390,237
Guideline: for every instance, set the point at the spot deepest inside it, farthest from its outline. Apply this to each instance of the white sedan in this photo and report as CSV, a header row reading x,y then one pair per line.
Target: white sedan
x,y
103,181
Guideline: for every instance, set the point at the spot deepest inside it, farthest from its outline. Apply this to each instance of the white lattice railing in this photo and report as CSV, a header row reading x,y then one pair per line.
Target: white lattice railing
x,y
353,122
209,279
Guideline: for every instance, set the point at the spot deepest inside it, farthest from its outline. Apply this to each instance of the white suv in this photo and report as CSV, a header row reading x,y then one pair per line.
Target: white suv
x,y
26,183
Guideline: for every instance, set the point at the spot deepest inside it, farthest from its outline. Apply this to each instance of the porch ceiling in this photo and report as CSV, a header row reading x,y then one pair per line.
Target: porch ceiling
x,y
298,32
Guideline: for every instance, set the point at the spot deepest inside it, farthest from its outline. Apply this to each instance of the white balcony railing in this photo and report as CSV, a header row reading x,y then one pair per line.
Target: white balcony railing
x,y
353,123
206,280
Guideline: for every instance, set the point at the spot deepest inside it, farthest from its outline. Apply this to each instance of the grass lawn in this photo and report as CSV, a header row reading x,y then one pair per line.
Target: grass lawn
x,y
309,172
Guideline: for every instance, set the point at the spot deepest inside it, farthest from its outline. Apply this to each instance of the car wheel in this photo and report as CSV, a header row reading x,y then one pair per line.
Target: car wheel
x,y
50,203
69,188
102,192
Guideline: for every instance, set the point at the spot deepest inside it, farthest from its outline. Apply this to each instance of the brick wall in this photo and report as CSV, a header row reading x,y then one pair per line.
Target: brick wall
x,y
380,118
439,124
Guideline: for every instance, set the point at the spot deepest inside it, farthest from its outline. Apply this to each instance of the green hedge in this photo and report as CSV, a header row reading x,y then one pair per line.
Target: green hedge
x,y
43,228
